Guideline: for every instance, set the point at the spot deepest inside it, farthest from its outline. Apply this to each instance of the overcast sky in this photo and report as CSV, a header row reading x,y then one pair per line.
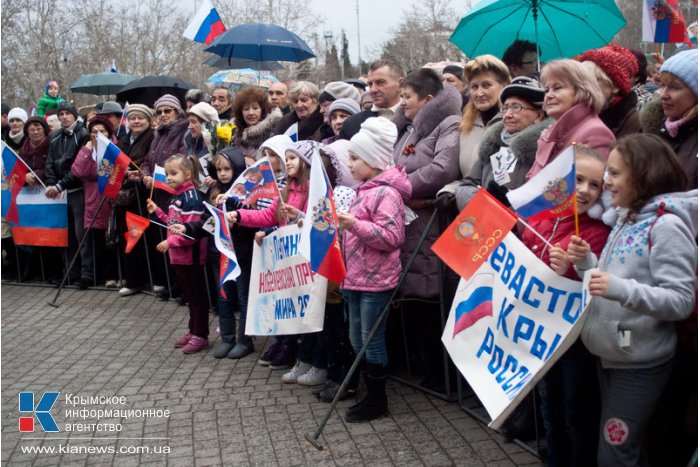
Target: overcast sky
x,y
377,19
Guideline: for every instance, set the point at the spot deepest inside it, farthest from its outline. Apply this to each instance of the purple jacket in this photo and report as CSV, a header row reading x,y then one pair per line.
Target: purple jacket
x,y
298,196
372,246
434,133
85,168
579,125
186,206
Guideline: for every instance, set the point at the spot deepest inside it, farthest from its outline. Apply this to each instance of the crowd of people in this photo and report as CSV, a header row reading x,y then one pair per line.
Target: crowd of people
x,y
412,146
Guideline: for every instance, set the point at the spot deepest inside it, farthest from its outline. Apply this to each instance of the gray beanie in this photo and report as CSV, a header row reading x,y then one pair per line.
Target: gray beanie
x,y
168,100
305,150
140,109
339,90
374,143
684,65
346,105
68,107
205,112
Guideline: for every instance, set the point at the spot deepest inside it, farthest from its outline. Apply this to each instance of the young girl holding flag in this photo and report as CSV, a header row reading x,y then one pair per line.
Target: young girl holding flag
x,y
644,282
569,390
374,235
187,256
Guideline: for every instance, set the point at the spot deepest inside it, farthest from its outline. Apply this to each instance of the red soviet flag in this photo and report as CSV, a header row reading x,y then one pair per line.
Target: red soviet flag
x,y
135,226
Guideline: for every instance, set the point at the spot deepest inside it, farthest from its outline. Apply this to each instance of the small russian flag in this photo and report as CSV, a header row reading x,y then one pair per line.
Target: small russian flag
x,y
159,180
206,24
478,305
111,167
293,132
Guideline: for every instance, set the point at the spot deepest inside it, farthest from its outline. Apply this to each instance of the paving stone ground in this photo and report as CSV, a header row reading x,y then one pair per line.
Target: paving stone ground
x,y
222,412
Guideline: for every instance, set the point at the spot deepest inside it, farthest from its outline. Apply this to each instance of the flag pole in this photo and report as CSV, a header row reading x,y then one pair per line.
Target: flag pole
x,y
576,216
26,165
166,227
539,235
77,253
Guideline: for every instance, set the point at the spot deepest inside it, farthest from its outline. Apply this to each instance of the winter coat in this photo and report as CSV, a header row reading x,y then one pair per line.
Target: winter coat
x,y
434,136
185,206
372,246
469,142
138,149
652,263
47,103
63,148
559,230
580,125
352,125
35,157
685,143
309,127
252,137
168,140
195,146
298,196
622,117
85,169
523,145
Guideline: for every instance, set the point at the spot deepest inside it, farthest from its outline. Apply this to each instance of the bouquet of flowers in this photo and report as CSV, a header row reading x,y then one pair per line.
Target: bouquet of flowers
x,y
217,135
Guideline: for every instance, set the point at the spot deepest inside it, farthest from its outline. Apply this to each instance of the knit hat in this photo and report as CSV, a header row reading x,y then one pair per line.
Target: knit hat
x,y
168,100
612,64
17,113
278,144
67,106
627,58
5,109
374,143
684,65
350,106
101,120
458,71
140,109
110,107
205,112
526,88
337,90
50,84
38,120
305,150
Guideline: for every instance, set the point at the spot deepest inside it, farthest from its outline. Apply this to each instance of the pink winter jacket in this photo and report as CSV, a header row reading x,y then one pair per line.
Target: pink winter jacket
x,y
85,168
298,195
372,246
578,125
185,206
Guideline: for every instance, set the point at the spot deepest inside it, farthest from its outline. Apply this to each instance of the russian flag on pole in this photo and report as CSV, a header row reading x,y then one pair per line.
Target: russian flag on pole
x,y
293,132
160,181
229,269
42,221
319,235
205,25
550,193
13,172
663,22
111,167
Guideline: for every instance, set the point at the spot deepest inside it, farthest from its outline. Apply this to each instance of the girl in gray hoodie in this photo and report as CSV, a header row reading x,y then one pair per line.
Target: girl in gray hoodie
x,y
645,281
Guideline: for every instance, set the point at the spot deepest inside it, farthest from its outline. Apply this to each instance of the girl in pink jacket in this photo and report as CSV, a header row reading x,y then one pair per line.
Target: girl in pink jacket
x,y
374,235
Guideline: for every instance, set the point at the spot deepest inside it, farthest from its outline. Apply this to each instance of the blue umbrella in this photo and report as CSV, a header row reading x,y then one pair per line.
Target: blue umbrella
x,y
560,28
262,43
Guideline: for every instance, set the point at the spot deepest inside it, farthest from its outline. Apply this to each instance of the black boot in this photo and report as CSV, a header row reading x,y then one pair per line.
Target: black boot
x,y
227,328
244,344
374,404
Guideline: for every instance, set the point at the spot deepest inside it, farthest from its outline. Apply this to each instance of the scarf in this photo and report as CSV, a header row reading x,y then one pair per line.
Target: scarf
x,y
17,137
507,138
674,126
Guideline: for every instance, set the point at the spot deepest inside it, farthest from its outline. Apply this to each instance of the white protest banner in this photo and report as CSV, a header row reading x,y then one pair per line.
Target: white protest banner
x,y
285,296
509,323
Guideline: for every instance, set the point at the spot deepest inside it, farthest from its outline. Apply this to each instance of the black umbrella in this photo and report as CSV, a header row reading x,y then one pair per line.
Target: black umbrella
x,y
149,88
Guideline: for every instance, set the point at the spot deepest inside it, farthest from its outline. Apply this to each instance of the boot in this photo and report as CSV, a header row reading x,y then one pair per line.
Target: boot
x,y
244,344
228,337
374,404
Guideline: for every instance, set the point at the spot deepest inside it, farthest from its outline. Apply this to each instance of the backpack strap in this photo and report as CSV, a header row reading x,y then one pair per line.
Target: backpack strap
x,y
660,211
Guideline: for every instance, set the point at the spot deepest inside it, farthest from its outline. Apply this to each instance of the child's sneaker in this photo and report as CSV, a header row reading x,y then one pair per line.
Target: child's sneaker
x,y
195,344
183,340
300,369
313,377
269,355
283,358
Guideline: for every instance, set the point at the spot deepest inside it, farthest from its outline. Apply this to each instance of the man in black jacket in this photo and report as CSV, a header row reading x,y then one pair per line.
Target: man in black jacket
x,y
63,147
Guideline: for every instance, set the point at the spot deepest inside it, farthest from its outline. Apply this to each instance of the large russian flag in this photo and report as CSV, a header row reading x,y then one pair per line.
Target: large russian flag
x,y
112,164
319,235
205,25
663,22
160,181
13,172
42,221
550,193
478,305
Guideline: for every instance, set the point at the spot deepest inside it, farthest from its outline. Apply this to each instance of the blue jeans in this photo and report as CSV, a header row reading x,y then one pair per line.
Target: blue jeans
x,y
365,308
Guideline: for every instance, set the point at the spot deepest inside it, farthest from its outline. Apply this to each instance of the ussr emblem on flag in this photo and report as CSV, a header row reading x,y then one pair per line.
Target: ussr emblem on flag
x,y
467,230
323,217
